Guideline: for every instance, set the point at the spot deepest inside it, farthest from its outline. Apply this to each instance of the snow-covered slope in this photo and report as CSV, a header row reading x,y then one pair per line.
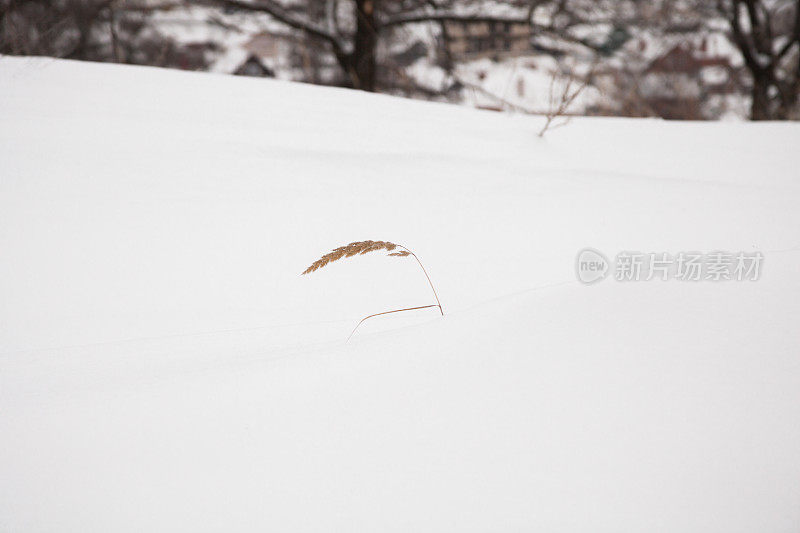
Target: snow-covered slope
x,y
164,367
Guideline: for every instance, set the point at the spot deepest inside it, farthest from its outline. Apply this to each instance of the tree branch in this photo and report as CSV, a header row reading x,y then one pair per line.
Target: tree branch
x,y
449,17
739,37
794,37
280,14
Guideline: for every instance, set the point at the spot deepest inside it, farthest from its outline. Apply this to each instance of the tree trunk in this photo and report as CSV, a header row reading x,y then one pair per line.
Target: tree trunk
x,y
789,96
365,43
759,109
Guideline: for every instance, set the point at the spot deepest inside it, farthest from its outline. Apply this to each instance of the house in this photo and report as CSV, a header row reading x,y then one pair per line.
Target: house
x,y
253,66
480,39
290,56
679,83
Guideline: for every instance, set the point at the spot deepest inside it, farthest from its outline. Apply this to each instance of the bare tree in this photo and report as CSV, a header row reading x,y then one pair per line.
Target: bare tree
x,y
767,33
94,30
563,92
354,42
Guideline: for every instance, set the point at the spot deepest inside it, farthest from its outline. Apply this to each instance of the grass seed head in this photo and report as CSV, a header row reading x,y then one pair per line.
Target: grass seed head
x,y
353,249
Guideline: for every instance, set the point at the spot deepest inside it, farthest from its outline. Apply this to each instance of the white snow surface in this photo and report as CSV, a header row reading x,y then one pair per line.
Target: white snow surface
x,y
164,366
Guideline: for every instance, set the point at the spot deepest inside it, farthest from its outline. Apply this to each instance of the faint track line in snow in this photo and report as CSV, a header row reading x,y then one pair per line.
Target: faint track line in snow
x,y
171,336
782,251
521,292
578,173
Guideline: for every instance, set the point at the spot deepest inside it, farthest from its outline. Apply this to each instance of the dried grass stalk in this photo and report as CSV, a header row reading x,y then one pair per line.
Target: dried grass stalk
x,y
388,313
364,247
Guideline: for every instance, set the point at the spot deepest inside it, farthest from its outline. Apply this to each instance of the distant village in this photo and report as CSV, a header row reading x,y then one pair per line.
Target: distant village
x,y
692,74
